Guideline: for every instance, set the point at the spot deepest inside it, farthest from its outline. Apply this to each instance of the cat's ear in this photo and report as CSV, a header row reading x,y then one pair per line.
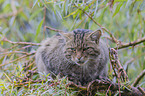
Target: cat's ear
x,y
95,36
66,36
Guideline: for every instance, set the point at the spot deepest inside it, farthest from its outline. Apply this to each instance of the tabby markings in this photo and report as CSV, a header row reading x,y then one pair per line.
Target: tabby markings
x,y
79,37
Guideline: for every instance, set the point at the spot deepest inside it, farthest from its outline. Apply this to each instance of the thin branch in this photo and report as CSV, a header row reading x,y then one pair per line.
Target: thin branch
x,y
116,64
17,59
141,90
133,59
29,66
88,15
138,41
14,52
139,77
98,85
22,48
56,30
109,38
108,90
111,35
13,46
21,43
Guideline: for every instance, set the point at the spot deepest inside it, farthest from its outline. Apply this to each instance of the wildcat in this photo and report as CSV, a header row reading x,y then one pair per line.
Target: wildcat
x,y
81,55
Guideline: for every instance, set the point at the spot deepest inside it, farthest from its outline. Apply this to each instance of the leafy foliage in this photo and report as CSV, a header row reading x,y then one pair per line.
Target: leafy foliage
x,y
25,21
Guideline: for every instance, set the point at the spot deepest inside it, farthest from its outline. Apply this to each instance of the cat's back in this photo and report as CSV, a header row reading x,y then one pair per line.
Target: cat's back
x,y
47,47
50,43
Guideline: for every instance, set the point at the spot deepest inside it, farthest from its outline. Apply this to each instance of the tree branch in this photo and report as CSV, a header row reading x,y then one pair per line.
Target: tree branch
x,y
138,41
111,35
139,77
117,65
56,30
18,59
141,90
103,86
21,43
12,52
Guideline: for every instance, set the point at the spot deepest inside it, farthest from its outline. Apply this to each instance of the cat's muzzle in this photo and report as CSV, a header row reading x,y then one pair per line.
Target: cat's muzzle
x,y
80,61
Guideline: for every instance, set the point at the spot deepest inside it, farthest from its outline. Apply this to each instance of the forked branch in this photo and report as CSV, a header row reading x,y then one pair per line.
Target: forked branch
x,y
138,41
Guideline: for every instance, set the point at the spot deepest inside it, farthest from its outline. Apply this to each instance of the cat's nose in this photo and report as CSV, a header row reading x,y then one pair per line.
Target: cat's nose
x,y
79,57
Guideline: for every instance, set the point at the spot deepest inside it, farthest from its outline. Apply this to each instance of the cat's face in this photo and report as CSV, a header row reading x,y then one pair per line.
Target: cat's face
x,y
82,46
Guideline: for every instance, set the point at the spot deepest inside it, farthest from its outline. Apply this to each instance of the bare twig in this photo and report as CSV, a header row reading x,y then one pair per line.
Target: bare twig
x,y
21,43
108,89
88,15
109,38
99,85
56,30
14,52
22,48
111,35
133,59
141,90
17,59
118,66
140,76
138,41
34,68
29,66
13,46
112,62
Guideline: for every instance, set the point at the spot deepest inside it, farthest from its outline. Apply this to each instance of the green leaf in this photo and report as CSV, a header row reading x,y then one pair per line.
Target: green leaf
x,y
34,3
39,29
78,12
6,8
23,15
35,14
72,13
66,6
7,77
1,1
118,8
99,19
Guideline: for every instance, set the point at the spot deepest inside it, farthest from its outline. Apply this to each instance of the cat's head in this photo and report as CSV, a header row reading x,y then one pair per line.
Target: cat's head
x,y
82,46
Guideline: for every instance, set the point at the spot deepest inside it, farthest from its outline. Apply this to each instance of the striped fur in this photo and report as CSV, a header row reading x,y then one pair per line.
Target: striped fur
x,y
81,55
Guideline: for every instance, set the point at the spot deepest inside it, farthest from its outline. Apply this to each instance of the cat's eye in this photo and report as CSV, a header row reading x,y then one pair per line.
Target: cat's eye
x,y
88,48
68,56
95,53
73,49
91,51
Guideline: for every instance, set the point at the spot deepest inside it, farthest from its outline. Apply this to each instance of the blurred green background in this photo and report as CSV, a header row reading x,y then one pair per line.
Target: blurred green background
x,y
24,21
